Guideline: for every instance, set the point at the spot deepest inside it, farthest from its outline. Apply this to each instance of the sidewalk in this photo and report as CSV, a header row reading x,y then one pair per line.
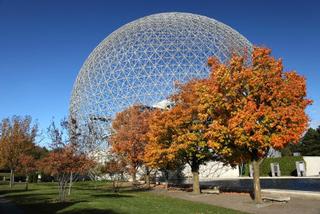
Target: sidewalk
x,y
243,202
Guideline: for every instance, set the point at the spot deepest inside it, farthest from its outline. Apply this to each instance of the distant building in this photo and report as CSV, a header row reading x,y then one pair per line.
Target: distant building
x,y
312,165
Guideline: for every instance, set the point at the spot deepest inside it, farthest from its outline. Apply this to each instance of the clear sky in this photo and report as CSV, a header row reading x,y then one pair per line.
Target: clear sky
x,y
43,44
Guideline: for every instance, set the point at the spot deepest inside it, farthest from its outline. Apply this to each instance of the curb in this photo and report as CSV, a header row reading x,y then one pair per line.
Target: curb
x,y
293,193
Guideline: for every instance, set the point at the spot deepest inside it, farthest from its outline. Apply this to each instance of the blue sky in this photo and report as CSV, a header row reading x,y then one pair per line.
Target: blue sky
x,y
44,43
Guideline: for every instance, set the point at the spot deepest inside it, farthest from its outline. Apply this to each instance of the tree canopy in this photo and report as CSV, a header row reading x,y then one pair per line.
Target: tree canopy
x,y
128,138
254,105
17,138
179,132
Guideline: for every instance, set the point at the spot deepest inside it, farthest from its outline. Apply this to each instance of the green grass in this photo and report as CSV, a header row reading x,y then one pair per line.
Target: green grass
x,y
88,197
4,174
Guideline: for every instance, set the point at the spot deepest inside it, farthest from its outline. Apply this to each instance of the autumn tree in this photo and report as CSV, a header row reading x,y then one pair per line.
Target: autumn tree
x,y
17,137
180,132
64,160
27,165
128,138
89,136
116,168
157,153
254,106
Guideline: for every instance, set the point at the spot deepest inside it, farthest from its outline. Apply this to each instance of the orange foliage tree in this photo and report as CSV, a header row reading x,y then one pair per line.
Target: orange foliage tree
x,y
17,137
254,106
179,132
128,138
64,161
62,164
115,168
157,153
27,165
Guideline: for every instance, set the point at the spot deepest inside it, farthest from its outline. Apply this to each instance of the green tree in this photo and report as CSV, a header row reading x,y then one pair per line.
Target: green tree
x,y
310,143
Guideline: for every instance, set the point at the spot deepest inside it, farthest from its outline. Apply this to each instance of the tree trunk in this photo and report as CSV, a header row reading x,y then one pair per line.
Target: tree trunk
x,y
70,183
134,178
11,178
27,183
60,190
155,178
147,177
114,189
62,185
166,173
256,181
148,180
195,177
63,191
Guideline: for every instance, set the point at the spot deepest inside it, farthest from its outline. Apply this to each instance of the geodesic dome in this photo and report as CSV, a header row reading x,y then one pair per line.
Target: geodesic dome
x,y
141,61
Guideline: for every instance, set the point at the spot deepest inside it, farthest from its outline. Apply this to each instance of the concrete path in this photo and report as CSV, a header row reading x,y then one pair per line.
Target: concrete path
x,y
7,207
243,202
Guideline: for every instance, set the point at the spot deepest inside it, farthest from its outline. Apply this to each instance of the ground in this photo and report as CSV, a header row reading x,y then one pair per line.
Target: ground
x,y
97,197
89,197
245,203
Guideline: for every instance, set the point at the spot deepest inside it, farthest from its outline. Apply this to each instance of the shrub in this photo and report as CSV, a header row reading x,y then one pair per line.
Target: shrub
x,y
287,166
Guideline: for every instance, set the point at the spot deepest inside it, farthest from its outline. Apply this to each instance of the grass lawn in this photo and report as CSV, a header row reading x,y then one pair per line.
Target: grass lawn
x,y
4,174
89,197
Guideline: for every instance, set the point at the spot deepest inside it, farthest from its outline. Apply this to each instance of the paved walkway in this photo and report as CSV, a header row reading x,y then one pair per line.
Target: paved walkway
x,y
7,207
243,202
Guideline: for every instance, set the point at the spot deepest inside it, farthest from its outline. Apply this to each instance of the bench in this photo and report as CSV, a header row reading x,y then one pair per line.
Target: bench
x,y
276,198
210,191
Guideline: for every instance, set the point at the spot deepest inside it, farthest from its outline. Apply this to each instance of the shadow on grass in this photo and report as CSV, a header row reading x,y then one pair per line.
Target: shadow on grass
x,y
43,199
41,203
91,211
45,207
137,189
33,203
98,189
9,191
111,195
109,189
29,199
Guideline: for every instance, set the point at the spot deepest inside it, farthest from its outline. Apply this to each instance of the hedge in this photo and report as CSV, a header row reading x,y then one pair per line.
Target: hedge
x,y
287,166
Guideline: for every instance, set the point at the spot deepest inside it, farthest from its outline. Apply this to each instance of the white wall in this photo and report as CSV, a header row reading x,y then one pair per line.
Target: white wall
x,y
312,165
213,169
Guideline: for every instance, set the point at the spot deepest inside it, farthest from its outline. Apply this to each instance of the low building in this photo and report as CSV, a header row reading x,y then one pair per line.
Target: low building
x,y
312,165
213,169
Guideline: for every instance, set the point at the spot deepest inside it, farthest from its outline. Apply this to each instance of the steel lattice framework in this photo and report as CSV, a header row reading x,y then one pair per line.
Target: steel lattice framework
x,y
141,61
